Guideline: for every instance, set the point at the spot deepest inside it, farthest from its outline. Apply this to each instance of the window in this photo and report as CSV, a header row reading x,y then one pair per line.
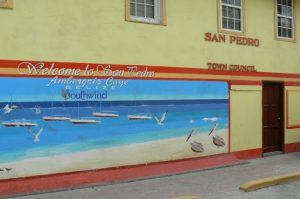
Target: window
x,y
285,19
6,3
148,11
231,16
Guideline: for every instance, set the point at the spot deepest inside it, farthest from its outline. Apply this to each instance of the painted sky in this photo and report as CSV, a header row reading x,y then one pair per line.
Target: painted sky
x,y
38,89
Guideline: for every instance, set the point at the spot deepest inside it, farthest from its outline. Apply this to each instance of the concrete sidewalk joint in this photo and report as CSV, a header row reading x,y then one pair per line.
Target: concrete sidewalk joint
x,y
186,197
267,182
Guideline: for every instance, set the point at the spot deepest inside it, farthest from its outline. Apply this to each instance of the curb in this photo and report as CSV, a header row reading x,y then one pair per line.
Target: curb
x,y
267,182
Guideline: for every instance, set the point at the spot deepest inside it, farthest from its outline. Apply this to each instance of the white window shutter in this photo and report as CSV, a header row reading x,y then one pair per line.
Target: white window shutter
x,y
158,10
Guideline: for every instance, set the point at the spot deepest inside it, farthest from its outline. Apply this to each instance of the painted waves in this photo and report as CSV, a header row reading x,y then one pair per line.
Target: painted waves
x,y
151,120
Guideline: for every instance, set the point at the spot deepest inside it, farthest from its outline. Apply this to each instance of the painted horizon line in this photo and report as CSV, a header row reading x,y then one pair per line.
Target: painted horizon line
x,y
47,104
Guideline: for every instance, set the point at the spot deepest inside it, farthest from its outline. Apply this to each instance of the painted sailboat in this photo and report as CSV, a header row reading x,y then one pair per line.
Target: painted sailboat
x,y
19,123
106,114
140,116
52,118
56,118
110,114
84,120
16,122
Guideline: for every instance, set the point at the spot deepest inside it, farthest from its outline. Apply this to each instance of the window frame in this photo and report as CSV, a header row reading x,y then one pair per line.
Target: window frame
x,y
243,17
276,15
7,4
162,15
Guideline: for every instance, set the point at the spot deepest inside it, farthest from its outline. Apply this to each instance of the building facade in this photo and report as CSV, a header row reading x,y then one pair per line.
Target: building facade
x,y
89,85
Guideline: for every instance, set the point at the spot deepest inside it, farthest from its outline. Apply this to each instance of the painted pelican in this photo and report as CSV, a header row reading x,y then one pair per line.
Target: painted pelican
x,y
218,141
213,128
190,135
197,147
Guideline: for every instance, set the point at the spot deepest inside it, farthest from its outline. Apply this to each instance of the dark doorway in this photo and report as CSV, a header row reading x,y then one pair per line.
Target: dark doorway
x,y
273,117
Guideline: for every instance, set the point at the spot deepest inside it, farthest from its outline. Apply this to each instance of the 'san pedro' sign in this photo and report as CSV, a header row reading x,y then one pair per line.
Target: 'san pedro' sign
x,y
232,39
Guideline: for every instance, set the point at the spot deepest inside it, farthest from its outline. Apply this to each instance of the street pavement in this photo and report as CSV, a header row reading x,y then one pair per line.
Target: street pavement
x,y
217,183
286,191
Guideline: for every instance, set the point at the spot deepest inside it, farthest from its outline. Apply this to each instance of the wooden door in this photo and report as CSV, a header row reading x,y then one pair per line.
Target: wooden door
x,y
273,117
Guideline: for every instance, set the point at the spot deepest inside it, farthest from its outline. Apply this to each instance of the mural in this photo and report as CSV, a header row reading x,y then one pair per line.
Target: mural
x,y
62,124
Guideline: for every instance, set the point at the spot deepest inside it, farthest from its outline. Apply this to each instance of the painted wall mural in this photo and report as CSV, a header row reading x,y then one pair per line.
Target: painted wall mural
x,y
65,121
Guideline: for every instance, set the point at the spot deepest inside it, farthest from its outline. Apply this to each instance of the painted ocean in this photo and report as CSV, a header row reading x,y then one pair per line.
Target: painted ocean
x,y
63,137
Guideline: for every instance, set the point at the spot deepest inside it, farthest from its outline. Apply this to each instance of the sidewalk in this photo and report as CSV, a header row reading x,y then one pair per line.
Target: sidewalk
x,y
209,184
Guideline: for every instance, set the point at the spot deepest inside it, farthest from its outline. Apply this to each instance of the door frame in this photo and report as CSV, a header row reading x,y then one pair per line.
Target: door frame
x,y
282,113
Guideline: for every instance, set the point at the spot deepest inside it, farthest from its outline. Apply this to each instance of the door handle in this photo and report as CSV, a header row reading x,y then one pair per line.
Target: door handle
x,y
278,118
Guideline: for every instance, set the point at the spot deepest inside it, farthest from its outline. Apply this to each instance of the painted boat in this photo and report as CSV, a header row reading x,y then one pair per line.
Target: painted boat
x,y
196,146
19,124
56,118
106,114
140,117
101,113
218,141
85,121
53,117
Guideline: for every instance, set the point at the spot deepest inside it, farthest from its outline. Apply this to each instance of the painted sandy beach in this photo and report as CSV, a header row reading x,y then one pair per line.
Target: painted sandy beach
x,y
155,151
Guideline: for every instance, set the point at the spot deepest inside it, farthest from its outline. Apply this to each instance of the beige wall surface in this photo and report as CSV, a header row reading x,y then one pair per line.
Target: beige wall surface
x,y
96,31
246,117
293,115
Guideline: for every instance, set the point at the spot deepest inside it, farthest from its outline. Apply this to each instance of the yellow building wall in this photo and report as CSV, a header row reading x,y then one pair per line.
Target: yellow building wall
x,y
246,117
293,115
95,31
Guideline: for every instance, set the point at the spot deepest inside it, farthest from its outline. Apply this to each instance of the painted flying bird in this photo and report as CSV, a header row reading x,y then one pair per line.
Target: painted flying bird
x,y
162,119
9,108
35,135
197,147
218,141
213,128
190,135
